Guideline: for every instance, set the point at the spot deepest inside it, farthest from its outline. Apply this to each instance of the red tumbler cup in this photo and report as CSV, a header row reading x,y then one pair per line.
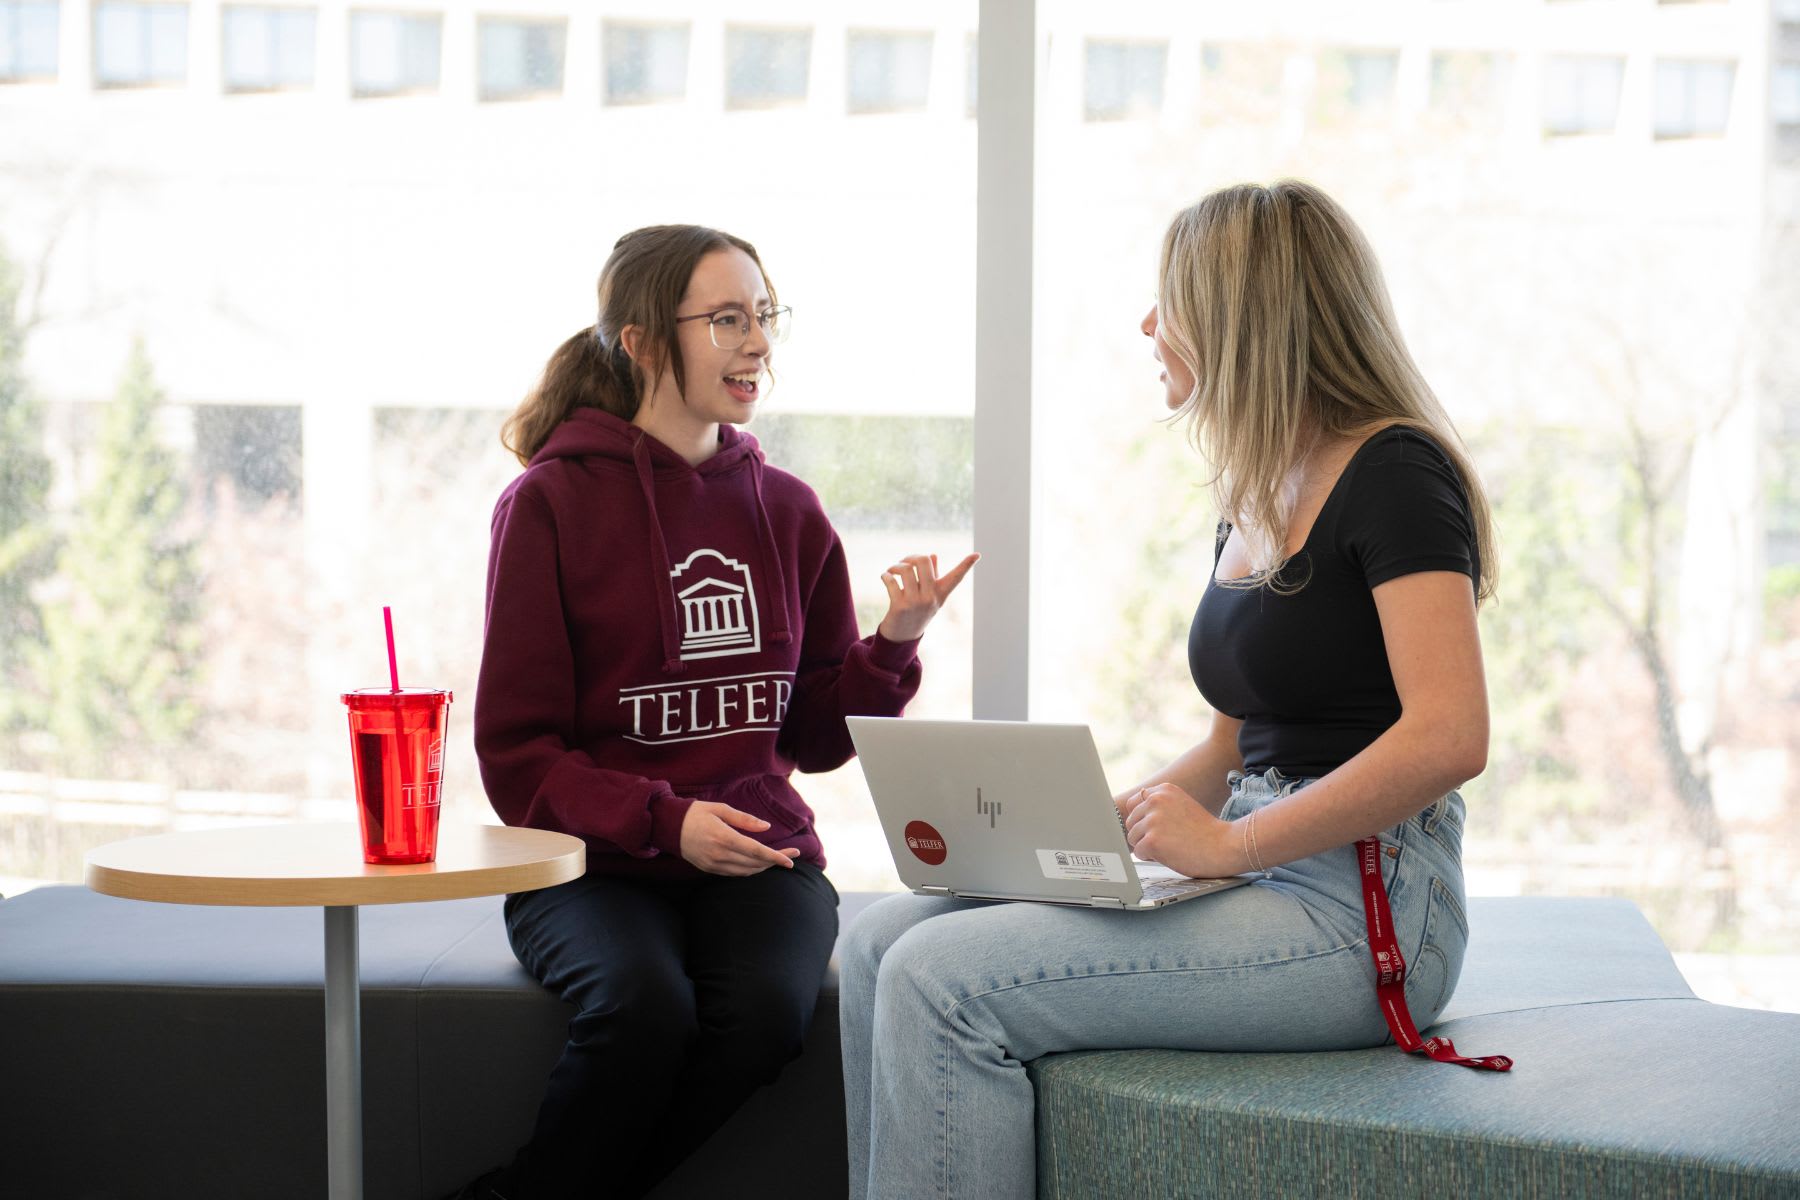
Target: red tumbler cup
x,y
397,752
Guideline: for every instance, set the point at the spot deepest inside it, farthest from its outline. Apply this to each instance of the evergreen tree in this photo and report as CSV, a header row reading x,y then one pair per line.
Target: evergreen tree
x,y
121,644
26,546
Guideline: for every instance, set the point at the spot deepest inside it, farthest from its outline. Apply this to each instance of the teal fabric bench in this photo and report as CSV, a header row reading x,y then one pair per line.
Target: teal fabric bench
x,y
1625,1086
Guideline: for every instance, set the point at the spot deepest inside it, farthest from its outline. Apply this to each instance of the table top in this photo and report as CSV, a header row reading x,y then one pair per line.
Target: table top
x,y
322,864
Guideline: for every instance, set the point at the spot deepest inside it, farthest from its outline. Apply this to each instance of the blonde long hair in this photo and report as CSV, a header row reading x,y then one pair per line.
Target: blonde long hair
x,y
1272,298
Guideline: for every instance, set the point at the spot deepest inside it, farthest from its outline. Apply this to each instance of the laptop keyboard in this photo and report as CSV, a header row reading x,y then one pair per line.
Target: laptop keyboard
x,y
1162,889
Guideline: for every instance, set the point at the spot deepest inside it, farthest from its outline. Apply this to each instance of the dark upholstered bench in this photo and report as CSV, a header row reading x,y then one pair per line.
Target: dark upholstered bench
x,y
152,1050
160,1050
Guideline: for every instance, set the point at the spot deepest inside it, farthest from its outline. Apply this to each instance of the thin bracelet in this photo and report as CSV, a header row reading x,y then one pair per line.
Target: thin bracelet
x,y
1250,837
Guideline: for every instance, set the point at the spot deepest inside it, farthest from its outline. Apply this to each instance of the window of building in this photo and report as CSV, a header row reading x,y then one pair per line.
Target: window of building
x,y
1241,81
28,40
1470,84
1786,10
1365,77
887,72
1125,79
521,59
1693,99
645,64
252,449
139,45
392,54
1784,94
267,49
1581,94
765,68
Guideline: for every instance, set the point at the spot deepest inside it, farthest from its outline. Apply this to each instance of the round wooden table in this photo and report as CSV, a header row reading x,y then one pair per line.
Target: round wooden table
x,y
322,865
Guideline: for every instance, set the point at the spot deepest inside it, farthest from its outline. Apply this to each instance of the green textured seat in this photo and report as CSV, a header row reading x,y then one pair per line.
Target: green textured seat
x,y
1625,1085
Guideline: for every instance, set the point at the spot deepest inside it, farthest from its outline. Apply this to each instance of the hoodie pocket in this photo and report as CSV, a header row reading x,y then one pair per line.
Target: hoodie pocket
x,y
775,803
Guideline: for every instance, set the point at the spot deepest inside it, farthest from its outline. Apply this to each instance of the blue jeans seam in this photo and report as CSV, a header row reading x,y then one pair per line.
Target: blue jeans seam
x,y
1359,944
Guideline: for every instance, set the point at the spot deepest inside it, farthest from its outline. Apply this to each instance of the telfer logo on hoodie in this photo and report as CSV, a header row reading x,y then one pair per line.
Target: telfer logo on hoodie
x,y
719,618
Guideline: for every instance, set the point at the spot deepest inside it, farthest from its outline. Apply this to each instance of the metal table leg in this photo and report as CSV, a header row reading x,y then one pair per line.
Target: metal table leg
x,y
343,1055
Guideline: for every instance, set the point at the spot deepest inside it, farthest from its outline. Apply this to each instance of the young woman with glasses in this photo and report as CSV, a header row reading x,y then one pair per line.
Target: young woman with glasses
x,y
669,637
1335,640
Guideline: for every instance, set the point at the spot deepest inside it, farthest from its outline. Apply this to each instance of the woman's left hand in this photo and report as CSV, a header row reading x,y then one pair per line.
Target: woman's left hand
x,y
1164,824
915,593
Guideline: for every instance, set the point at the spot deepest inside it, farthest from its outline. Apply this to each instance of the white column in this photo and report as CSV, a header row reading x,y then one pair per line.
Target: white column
x,y
459,82
1004,208
706,67
581,59
206,48
75,48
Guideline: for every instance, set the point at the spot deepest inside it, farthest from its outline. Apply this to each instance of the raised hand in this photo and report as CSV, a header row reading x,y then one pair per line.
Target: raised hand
x,y
711,841
916,592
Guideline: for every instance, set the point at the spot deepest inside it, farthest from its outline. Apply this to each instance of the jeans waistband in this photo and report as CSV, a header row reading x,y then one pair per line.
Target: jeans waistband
x,y
1273,784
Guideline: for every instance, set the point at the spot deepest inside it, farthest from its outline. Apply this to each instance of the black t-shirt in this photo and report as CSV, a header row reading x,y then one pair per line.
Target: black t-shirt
x,y
1308,673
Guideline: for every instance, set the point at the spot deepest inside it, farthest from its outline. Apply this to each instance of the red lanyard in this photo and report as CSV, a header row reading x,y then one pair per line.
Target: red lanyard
x,y
1390,969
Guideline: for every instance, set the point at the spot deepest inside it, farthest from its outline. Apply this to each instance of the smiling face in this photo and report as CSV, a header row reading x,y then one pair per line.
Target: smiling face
x,y
721,386
1177,376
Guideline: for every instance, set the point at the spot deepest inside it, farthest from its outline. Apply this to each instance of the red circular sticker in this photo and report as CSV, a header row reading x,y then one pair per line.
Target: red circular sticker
x,y
926,843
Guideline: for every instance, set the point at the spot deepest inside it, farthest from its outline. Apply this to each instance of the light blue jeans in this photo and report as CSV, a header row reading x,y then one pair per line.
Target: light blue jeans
x,y
943,1002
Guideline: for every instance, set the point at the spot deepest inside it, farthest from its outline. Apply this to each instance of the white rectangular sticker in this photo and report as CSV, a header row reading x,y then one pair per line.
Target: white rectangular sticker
x,y
1091,865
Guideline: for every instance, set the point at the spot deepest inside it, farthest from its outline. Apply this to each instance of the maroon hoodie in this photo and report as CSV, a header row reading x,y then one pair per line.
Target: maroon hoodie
x,y
659,633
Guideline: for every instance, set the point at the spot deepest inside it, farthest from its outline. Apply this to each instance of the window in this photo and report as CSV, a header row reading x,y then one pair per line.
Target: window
x,y
253,450
645,64
1581,94
1364,78
267,49
1241,81
1125,79
392,54
28,41
766,67
520,59
139,45
1468,84
888,72
1784,97
1693,99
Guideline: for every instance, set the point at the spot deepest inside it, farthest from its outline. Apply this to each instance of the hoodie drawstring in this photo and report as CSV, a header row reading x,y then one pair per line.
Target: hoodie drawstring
x,y
659,550
771,555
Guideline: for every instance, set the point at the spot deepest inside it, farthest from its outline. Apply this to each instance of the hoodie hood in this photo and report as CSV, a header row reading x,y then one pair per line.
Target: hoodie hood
x,y
594,433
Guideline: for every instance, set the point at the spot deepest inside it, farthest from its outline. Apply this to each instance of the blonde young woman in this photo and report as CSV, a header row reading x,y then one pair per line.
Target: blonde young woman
x,y
1336,642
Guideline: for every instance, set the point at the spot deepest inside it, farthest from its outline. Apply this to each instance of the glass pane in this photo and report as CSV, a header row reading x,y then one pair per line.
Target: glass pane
x,y
520,58
168,43
645,63
391,52
1593,382
766,66
28,40
888,72
1785,94
1125,79
295,35
120,44
331,341
249,36
1581,95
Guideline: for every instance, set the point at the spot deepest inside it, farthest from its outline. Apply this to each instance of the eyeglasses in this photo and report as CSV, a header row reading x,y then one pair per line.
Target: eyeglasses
x,y
730,327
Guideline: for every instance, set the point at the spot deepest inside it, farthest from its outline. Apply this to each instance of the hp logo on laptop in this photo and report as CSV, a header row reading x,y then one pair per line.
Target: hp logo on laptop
x,y
988,809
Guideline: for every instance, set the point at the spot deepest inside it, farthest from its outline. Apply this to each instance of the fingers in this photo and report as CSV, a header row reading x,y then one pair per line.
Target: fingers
x,y
947,583
738,819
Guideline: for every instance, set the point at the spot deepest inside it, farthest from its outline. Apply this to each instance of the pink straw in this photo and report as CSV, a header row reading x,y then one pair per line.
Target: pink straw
x,y
387,618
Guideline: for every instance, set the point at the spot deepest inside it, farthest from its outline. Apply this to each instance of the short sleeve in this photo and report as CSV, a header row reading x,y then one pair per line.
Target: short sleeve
x,y
1407,512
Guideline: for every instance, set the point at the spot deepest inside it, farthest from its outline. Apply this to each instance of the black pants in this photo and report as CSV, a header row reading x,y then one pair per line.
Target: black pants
x,y
691,993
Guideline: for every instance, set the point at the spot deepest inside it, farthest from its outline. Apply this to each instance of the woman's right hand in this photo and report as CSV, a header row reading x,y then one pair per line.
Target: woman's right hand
x,y
711,841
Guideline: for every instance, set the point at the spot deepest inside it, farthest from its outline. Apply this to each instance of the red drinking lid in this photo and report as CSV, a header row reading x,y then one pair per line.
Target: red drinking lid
x,y
404,698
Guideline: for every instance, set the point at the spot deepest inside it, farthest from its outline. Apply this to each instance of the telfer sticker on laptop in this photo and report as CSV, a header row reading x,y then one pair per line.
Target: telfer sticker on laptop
x,y
1082,864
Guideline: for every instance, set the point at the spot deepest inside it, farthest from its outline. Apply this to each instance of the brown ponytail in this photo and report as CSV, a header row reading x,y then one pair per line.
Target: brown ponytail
x,y
642,283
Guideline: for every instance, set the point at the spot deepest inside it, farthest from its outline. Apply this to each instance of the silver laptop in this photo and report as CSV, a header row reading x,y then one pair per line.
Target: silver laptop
x,y
1008,810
